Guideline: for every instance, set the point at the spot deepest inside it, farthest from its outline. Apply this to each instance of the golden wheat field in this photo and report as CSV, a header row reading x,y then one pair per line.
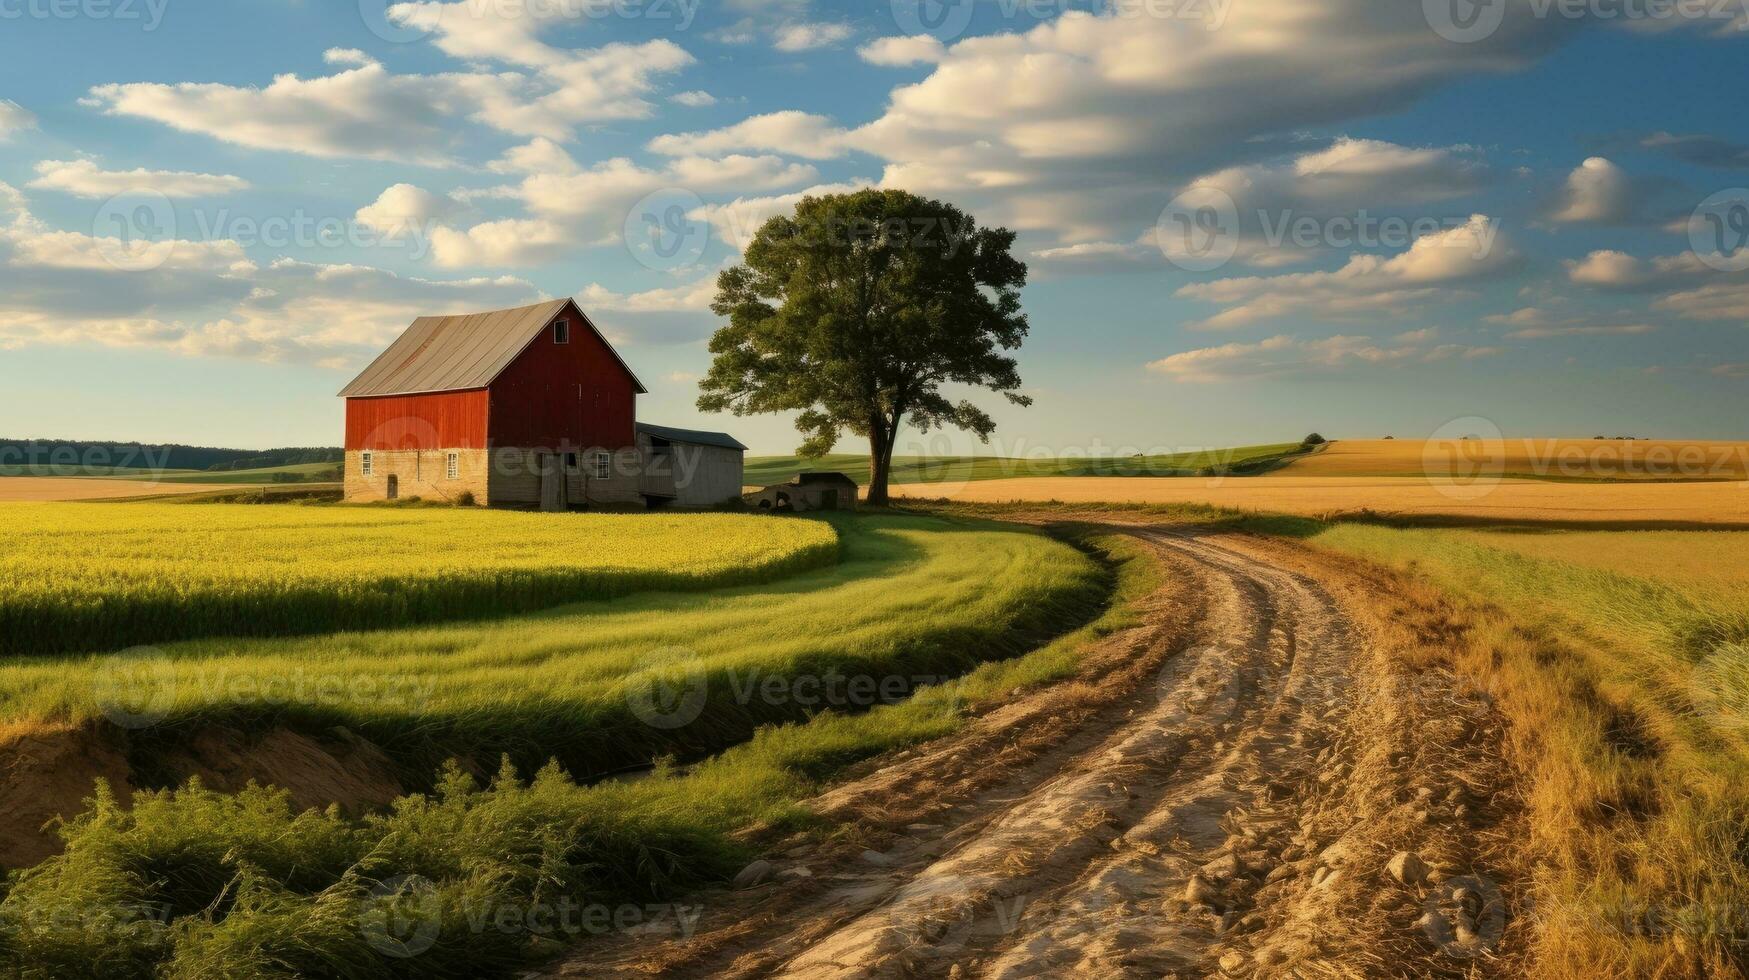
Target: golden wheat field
x,y
1712,503
1538,458
100,576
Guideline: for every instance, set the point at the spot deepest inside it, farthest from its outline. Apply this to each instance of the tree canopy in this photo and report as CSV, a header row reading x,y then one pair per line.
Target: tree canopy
x,y
856,310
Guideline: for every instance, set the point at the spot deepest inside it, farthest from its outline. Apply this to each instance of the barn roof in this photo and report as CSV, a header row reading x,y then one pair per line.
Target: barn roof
x,y
694,437
458,353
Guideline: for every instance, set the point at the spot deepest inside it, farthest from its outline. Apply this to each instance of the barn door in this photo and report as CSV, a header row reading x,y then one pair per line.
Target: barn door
x,y
552,481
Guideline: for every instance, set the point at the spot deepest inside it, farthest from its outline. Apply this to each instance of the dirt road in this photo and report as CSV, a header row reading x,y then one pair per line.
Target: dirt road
x,y
1221,792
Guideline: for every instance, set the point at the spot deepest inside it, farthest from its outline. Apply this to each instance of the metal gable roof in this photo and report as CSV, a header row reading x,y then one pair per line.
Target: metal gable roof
x,y
462,352
694,437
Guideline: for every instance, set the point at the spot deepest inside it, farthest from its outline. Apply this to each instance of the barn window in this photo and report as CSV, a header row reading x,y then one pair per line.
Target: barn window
x,y
366,463
571,462
454,468
603,465
561,331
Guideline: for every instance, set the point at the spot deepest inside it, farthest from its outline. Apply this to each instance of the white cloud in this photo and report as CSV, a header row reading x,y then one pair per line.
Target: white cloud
x,y
692,297
14,118
537,156
507,242
1366,285
798,134
903,51
84,178
1597,191
1283,356
567,205
807,37
369,112
347,56
695,99
1082,126
1687,286
403,209
208,298
1533,323
737,221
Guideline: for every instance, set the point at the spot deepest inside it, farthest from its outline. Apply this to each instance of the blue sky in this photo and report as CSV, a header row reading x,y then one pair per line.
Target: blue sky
x,y
214,212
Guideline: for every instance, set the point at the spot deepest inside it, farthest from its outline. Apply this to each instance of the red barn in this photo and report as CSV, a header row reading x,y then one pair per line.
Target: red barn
x,y
523,407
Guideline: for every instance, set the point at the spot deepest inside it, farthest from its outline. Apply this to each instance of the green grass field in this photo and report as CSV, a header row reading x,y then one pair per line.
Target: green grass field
x,y
252,889
765,470
1622,659
96,577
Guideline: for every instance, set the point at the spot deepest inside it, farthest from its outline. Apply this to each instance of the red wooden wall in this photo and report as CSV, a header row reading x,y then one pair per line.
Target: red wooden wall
x,y
446,420
565,396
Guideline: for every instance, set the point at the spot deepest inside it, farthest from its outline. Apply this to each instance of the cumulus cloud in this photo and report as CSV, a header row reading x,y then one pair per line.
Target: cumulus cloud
x,y
737,221
1283,355
566,204
903,51
1597,191
1533,323
403,209
1685,284
1365,285
369,112
1085,123
209,298
807,37
693,297
84,178
695,99
793,133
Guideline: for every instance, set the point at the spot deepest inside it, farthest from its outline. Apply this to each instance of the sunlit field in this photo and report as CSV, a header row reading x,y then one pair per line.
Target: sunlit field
x,y
1623,660
253,889
95,577
911,597
762,470
1543,459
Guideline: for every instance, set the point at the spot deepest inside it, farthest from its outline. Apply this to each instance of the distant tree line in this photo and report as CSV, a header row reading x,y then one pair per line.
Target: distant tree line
x,y
169,456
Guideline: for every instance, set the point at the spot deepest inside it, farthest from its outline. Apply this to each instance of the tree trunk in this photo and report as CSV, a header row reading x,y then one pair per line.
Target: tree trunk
x,y
880,464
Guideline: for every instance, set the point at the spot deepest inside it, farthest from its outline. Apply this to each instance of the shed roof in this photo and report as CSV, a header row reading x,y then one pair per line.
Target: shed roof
x,y
458,353
696,437
821,476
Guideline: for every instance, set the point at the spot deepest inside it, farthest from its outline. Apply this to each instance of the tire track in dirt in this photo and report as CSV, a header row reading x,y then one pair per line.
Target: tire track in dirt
x,y
1226,812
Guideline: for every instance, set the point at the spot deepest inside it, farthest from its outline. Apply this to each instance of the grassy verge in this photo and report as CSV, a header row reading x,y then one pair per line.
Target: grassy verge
x,y
472,881
1623,661
77,577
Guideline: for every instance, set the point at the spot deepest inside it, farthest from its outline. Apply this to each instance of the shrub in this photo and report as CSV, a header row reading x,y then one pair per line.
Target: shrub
x,y
1313,440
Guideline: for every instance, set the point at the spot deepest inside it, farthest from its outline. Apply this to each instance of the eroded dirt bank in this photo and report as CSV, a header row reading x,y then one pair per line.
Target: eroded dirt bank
x,y
1251,783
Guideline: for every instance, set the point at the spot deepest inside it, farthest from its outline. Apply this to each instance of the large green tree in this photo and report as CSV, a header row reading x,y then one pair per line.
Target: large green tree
x,y
857,310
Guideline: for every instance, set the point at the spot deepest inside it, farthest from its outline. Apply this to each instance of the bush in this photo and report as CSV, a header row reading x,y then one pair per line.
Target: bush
x,y
1313,440
466,499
